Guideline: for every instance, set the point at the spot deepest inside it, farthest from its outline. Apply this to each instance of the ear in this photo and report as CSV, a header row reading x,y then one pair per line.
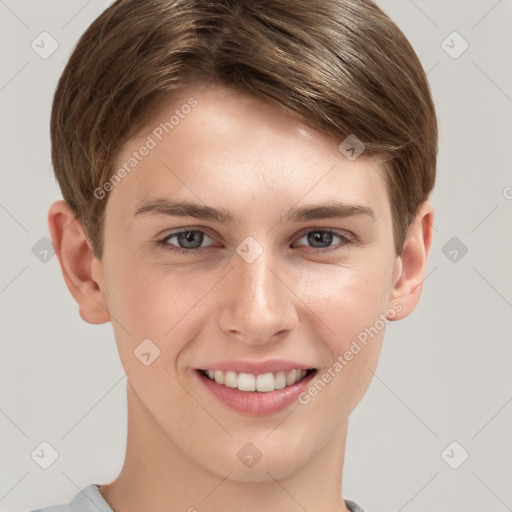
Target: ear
x,y
80,268
411,264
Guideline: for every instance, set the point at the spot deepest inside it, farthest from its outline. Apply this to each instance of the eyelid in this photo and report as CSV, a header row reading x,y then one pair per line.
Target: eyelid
x,y
203,229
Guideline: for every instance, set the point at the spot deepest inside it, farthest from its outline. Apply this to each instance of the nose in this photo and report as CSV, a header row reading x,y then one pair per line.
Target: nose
x,y
258,305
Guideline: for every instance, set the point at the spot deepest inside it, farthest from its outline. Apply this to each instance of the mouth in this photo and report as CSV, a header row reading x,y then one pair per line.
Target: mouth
x,y
256,394
263,383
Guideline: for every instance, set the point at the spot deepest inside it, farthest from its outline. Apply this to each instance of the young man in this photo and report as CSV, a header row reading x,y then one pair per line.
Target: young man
x,y
246,200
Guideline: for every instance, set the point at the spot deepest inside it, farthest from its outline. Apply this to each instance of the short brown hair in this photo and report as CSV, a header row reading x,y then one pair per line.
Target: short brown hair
x,y
342,66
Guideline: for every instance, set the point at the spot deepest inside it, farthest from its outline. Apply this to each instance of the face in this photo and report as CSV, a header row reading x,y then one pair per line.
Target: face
x,y
244,242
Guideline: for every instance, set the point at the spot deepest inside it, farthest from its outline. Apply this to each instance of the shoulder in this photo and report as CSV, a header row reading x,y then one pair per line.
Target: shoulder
x,y
88,499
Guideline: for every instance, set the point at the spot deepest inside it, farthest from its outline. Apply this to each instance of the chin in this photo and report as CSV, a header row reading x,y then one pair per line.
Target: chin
x,y
273,464
260,472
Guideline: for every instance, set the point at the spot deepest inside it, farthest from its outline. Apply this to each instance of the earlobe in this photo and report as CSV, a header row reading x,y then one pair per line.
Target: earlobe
x,y
79,266
411,264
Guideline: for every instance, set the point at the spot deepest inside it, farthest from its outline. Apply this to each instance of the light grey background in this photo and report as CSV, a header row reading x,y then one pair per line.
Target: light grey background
x,y
445,372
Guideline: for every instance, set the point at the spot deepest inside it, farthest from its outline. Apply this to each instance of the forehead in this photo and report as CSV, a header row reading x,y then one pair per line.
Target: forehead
x,y
213,144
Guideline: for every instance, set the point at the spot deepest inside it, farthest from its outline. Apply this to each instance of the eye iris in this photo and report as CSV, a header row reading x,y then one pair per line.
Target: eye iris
x,y
190,237
320,236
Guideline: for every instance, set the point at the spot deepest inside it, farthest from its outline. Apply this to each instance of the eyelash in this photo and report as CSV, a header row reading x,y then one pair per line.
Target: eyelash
x,y
346,240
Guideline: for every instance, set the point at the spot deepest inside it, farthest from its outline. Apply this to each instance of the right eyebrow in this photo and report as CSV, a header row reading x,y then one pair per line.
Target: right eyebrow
x,y
163,206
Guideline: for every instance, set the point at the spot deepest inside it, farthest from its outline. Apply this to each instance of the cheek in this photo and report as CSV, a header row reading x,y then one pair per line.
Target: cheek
x,y
154,302
347,300
351,305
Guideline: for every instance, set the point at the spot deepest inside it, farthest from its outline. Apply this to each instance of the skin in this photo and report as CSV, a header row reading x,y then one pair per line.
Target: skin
x,y
236,152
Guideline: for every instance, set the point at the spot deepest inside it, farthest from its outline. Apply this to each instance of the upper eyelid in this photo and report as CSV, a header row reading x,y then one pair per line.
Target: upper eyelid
x,y
339,232
204,230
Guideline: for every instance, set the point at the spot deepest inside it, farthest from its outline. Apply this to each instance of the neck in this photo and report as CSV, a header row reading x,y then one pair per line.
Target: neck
x,y
158,475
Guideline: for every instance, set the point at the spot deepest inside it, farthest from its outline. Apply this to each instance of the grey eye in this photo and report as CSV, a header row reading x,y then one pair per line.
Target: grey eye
x,y
321,239
188,239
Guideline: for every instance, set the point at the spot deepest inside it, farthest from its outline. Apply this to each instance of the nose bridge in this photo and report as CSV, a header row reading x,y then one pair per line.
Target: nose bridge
x,y
259,305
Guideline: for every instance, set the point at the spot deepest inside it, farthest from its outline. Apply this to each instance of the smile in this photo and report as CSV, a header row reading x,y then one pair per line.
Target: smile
x,y
255,394
249,382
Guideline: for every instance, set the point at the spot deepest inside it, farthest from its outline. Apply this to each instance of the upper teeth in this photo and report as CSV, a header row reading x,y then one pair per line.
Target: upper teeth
x,y
249,382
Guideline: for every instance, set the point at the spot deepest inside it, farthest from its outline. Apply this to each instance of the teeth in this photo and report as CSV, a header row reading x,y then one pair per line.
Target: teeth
x,y
231,379
292,377
265,382
248,382
280,380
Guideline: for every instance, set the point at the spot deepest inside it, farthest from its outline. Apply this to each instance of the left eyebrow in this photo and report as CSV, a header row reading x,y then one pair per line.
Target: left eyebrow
x,y
326,210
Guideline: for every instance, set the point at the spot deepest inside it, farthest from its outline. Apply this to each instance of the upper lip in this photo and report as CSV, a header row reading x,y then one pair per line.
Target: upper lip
x,y
256,367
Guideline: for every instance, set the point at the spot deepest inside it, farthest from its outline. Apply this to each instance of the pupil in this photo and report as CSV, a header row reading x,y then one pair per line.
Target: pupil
x,y
189,237
320,236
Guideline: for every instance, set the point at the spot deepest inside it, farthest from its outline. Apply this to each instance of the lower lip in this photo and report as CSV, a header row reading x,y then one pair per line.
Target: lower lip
x,y
256,403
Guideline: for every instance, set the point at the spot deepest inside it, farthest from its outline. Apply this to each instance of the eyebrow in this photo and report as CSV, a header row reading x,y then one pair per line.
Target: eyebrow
x,y
326,210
